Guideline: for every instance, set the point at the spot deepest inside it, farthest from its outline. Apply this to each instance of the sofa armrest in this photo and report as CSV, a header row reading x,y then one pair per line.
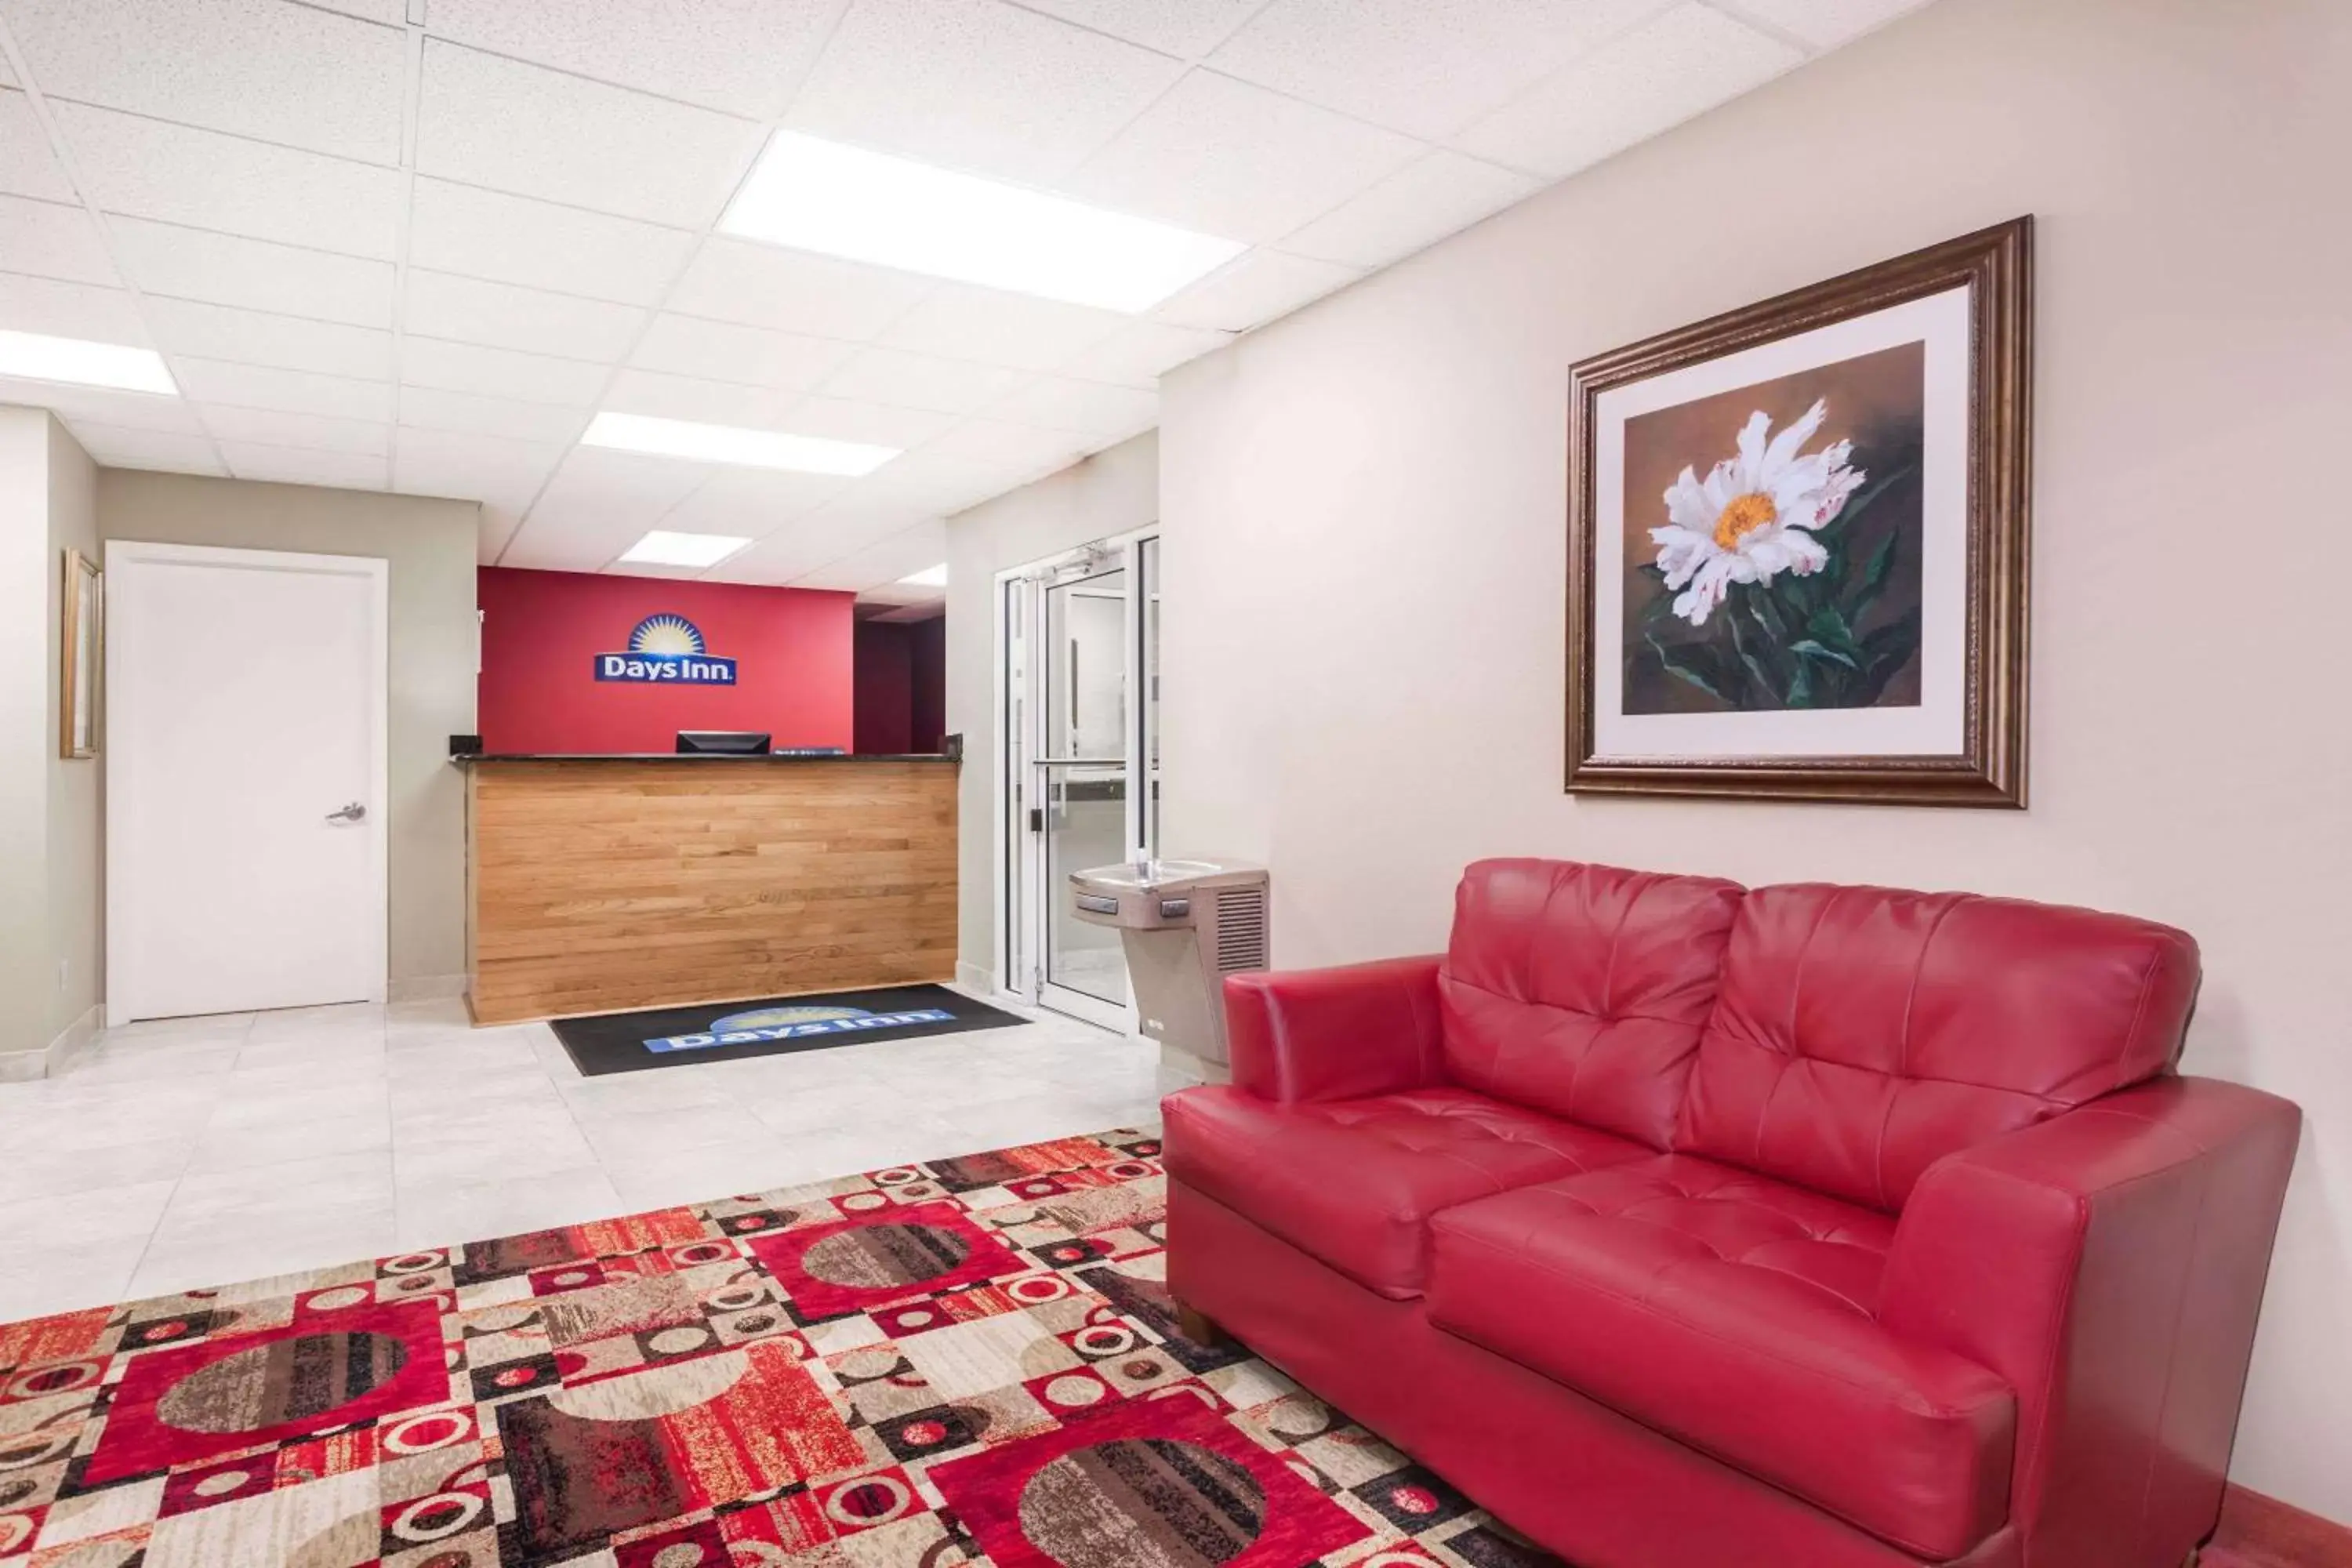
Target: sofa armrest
x,y
2109,1263
1334,1034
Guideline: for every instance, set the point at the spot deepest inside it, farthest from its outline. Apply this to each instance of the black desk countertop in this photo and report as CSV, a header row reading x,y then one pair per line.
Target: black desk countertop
x,y
697,758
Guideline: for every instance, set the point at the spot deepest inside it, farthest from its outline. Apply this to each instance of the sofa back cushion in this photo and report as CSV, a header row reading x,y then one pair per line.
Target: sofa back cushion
x,y
1580,990
1863,1033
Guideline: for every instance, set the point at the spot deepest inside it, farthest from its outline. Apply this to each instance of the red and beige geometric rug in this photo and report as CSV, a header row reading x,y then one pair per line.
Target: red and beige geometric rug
x,y
970,1361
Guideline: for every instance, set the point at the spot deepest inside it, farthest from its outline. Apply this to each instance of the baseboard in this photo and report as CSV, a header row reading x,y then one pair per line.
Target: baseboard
x,y
2260,1532
426,988
23,1066
976,978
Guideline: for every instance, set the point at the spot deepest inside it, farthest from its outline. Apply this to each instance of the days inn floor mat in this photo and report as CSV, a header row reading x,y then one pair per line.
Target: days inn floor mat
x,y
727,1031
971,1361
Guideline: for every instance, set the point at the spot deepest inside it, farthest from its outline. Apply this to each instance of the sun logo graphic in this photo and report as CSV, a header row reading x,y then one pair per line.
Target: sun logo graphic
x,y
666,650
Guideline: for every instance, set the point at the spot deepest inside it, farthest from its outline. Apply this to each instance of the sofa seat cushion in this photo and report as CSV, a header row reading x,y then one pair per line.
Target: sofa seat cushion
x,y
1353,1181
1734,1312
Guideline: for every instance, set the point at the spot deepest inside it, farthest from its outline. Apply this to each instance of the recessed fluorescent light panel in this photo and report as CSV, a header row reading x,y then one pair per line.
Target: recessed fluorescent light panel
x,y
39,358
662,548
928,577
820,195
727,444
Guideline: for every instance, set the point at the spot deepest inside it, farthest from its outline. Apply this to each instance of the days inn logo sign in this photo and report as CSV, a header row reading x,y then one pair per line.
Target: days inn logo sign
x,y
666,650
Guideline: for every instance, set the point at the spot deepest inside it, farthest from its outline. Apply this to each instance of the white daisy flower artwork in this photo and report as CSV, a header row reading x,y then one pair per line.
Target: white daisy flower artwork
x,y
1753,517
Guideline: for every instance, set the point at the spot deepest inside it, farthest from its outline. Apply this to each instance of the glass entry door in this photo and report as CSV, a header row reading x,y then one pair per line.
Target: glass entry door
x,y
1079,772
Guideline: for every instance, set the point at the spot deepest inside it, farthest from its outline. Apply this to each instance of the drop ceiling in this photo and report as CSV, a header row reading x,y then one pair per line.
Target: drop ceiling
x,y
416,245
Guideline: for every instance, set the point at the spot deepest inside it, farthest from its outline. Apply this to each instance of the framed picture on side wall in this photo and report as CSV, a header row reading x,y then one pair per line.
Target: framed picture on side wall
x,y
1798,541
82,616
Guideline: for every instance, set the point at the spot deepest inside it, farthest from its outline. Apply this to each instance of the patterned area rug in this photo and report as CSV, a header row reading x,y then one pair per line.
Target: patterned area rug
x,y
963,1362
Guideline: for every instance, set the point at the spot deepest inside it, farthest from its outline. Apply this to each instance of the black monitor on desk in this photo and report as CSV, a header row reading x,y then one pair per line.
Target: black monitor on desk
x,y
722,742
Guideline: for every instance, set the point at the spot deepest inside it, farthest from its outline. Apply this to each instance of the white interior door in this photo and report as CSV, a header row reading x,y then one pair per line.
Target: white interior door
x,y
245,780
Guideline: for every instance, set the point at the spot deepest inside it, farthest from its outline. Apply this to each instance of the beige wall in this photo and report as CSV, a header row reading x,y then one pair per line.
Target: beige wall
x,y
77,793
1366,558
26,745
1114,491
430,546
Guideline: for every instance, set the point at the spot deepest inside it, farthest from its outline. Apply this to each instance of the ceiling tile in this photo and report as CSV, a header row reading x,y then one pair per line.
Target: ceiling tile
x,y
513,127
704,402
741,56
218,382
977,84
254,337
1254,290
429,408
876,424
27,166
317,432
121,446
501,315
991,445
498,526
598,505
205,179
71,310
738,281
884,561
751,503
302,466
506,474
390,13
922,381
133,410
1191,29
993,328
7,77
925,483
722,350
1415,208
500,372
1683,64
1139,352
1088,407
48,239
188,264
514,239
1230,159
1427,70
1826,24
262,68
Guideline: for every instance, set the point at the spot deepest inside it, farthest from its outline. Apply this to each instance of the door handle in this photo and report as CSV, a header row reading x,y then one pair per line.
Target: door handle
x,y
354,811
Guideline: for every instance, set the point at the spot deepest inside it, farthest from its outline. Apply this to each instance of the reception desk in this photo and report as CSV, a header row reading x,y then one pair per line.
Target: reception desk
x,y
598,884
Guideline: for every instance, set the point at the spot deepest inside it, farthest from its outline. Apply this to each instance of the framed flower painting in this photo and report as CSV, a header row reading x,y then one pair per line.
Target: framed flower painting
x,y
1798,541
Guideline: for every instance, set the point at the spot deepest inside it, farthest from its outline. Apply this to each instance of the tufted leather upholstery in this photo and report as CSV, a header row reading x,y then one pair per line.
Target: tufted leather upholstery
x,y
1710,1303
1358,1179
1580,990
1863,1033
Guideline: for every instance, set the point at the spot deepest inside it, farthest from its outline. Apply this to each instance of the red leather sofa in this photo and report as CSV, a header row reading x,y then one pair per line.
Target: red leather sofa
x,y
1685,1225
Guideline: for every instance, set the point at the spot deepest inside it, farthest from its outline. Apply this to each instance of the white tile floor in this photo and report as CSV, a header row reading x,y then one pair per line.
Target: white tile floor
x,y
211,1150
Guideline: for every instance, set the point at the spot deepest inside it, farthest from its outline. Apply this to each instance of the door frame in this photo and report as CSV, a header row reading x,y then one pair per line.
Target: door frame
x,y
123,872
1009,849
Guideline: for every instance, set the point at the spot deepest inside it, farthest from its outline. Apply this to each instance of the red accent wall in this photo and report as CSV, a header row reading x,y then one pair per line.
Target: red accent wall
x,y
542,630
902,669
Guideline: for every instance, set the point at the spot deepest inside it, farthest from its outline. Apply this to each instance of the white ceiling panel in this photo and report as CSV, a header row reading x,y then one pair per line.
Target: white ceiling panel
x,y
305,465
498,526
760,286
722,351
121,446
27,166
992,445
1418,206
1256,288
1426,70
430,408
71,310
742,56
188,264
978,84
876,424
1826,24
7,77
254,337
928,483
501,315
884,560
513,127
922,381
506,474
316,432
500,372
390,13
49,240
963,323
751,503
212,381
1087,407
287,74
1227,158
598,505
514,239
1138,354
1683,64
132,410
205,179
1191,29
704,402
